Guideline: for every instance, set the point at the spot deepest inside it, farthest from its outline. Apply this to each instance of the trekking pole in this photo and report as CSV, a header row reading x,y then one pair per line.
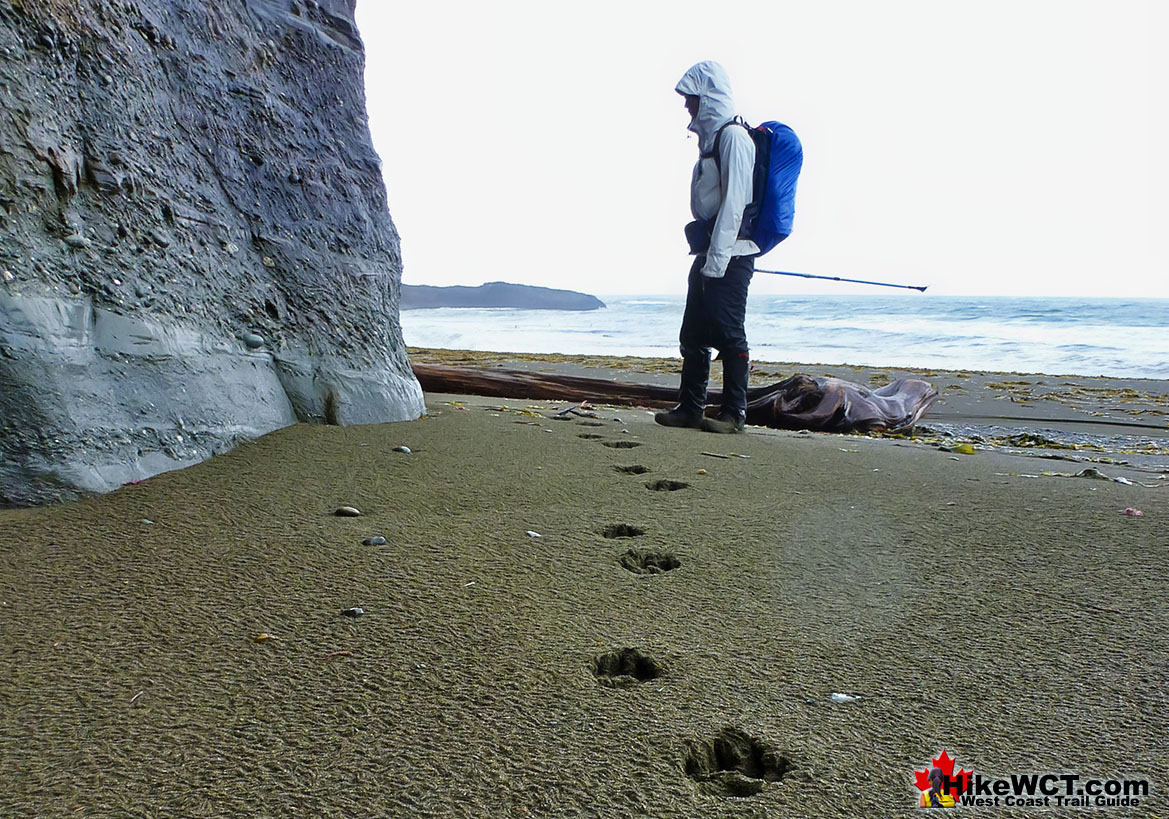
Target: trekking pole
x,y
838,279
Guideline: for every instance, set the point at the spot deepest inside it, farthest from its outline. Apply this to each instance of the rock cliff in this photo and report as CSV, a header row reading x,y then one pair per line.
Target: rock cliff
x,y
194,241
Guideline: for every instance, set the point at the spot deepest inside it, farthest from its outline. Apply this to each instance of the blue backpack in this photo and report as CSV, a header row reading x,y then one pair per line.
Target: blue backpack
x,y
767,221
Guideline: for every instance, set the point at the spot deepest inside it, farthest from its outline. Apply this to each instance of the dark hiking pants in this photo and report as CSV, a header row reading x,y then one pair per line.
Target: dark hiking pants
x,y
715,313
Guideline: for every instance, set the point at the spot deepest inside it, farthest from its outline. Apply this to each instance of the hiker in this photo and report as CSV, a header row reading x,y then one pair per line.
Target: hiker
x,y
721,187
935,797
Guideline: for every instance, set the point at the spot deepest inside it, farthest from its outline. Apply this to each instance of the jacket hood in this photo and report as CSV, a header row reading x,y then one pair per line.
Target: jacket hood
x,y
708,81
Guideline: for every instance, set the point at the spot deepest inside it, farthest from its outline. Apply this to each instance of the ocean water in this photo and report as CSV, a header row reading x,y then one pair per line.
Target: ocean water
x,y
1112,337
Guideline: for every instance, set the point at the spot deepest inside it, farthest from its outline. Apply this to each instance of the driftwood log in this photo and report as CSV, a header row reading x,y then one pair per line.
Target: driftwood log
x,y
799,402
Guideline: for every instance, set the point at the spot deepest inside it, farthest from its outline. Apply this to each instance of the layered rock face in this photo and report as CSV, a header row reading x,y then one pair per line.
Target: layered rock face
x,y
194,240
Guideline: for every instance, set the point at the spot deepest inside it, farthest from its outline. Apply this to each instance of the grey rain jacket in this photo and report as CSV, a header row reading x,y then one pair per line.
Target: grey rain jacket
x,y
717,197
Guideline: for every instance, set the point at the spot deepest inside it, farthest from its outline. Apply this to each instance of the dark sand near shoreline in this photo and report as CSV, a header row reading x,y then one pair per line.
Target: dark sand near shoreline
x,y
972,602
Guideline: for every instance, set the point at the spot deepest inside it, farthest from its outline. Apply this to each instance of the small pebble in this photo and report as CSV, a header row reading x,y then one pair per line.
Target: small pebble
x,y
405,450
76,240
348,512
263,637
254,341
356,611
836,696
530,533
374,541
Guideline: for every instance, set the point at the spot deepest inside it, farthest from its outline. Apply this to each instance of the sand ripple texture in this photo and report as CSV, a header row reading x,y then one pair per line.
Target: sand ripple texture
x,y
656,653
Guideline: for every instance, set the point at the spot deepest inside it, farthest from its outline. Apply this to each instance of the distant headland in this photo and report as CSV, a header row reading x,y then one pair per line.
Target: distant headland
x,y
497,294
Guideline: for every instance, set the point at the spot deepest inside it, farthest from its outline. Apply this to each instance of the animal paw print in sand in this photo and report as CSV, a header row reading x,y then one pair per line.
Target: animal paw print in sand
x,y
625,667
622,530
666,485
649,561
734,764
635,469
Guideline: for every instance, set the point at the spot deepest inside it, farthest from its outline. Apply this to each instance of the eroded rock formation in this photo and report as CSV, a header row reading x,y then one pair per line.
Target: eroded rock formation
x,y
194,240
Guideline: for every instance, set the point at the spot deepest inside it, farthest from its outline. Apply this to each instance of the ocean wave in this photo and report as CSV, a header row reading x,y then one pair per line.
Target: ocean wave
x,y
1056,336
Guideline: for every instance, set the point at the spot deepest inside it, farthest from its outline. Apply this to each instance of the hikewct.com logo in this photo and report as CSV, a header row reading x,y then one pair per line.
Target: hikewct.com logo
x,y
942,788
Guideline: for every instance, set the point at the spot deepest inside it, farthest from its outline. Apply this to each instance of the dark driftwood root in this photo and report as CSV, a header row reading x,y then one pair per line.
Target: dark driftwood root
x,y
799,402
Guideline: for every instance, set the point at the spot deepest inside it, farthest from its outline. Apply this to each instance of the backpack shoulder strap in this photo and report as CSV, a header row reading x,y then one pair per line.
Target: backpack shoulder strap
x,y
714,152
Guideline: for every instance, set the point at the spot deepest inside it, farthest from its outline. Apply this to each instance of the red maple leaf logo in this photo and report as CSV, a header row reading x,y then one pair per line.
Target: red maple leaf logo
x,y
945,763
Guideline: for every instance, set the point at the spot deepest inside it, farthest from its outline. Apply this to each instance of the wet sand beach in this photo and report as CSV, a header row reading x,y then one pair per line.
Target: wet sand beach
x,y
591,615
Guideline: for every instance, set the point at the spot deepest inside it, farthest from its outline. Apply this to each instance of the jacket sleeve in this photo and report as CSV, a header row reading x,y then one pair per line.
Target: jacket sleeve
x,y
737,161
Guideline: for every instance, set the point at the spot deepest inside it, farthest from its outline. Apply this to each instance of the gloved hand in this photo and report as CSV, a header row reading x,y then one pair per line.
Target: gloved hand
x,y
712,270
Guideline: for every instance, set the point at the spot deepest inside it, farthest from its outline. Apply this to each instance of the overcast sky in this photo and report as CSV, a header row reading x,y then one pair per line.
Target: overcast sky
x,y
1007,147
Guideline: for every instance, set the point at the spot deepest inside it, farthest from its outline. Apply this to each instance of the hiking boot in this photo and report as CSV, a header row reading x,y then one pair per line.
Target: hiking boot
x,y
679,416
726,423
692,390
735,373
